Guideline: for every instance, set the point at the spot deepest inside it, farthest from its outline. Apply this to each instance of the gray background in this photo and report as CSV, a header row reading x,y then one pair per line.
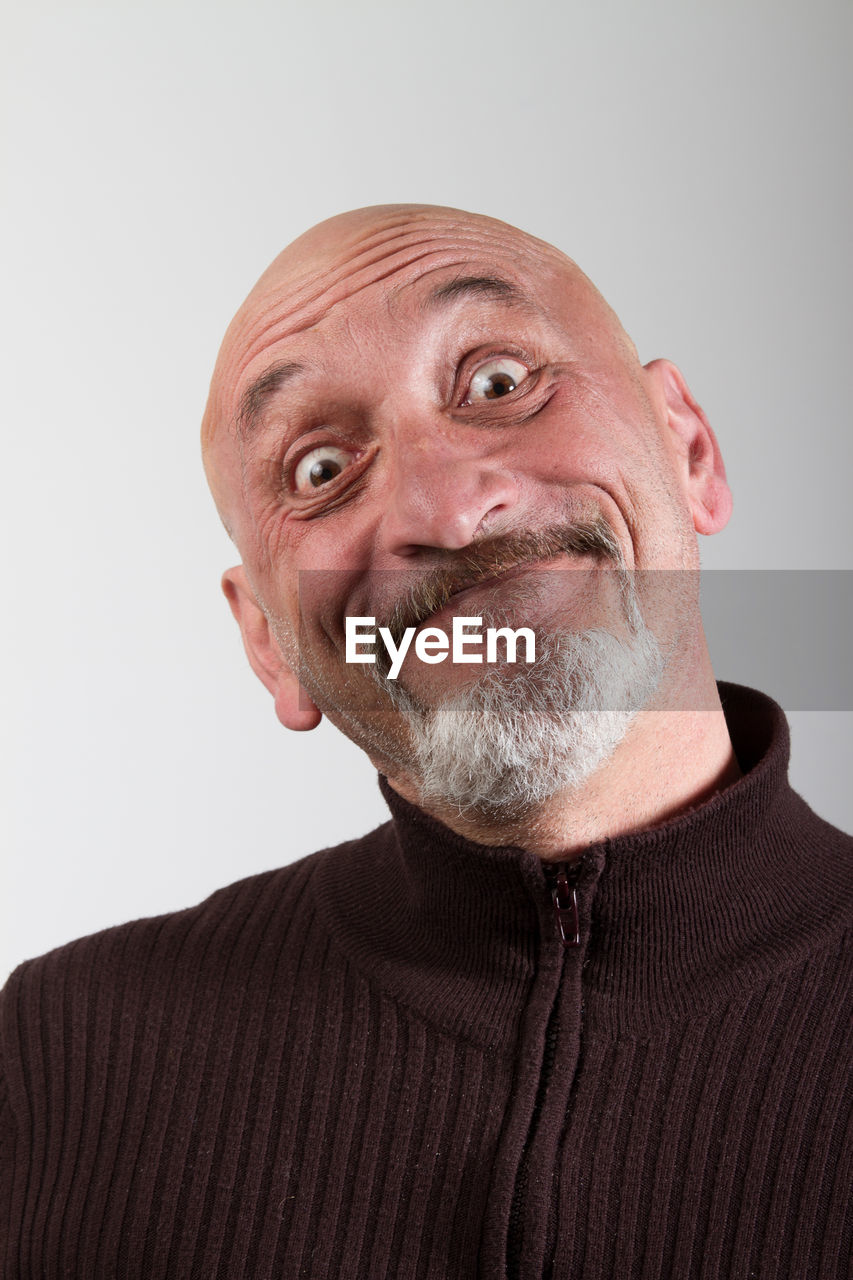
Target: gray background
x,y
693,158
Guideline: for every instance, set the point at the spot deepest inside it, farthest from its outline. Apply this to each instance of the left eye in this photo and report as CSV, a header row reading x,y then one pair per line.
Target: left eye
x,y
320,467
496,378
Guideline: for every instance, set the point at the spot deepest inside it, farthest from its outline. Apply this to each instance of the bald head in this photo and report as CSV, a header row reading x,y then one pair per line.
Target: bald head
x,y
349,259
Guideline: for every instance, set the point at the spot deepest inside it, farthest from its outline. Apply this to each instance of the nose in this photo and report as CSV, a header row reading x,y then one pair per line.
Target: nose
x,y
441,497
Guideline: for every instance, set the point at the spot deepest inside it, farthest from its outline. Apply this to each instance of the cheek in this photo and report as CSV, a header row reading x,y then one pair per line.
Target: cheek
x,y
574,440
319,566
607,451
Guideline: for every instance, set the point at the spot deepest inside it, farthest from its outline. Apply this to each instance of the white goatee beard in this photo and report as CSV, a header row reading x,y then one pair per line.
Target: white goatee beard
x,y
506,743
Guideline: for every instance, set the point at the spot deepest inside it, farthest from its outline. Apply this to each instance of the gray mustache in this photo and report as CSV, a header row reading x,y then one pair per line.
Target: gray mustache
x,y
492,556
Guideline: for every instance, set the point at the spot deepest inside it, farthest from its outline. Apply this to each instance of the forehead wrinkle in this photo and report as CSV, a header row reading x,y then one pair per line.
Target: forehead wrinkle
x,y
419,228
321,281
308,311
324,282
312,304
414,218
328,281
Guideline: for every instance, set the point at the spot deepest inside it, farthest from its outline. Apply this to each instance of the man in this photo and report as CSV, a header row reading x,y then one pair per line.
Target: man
x,y
582,1007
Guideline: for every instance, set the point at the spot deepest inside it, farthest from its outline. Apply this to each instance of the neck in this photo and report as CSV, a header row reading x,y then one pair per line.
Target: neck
x,y
676,755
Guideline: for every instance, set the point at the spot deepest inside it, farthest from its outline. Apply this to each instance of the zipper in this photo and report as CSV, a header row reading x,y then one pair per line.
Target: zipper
x,y
564,896
562,882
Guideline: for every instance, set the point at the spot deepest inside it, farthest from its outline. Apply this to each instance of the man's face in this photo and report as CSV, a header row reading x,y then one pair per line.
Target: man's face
x,y
417,396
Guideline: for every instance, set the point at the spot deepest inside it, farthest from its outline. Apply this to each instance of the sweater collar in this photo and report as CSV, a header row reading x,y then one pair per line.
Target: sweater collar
x,y
673,918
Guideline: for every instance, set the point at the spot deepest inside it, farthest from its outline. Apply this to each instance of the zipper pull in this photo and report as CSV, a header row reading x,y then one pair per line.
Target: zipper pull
x,y
565,899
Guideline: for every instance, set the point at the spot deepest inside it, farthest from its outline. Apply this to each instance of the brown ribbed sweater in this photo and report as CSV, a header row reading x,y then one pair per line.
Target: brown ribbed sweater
x,y
382,1061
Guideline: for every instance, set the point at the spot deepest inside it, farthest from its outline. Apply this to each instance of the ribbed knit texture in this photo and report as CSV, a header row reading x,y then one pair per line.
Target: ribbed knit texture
x,y
381,1061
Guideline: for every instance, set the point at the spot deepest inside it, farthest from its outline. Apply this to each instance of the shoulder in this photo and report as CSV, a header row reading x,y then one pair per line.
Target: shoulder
x,y
135,970
154,942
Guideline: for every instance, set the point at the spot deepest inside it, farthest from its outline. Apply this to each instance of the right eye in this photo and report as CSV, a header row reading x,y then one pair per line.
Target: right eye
x,y
319,467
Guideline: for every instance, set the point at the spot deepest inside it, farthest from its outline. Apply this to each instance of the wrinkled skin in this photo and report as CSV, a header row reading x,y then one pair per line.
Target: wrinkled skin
x,y
377,343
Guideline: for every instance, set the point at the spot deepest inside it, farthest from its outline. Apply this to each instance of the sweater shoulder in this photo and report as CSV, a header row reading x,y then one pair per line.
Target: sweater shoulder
x,y
214,941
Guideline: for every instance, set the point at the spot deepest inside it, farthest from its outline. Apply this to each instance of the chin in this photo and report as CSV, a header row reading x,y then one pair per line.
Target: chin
x,y
510,739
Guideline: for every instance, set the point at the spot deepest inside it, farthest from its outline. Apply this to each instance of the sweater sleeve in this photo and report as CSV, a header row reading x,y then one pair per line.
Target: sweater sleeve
x,y
31,1131
7,1176
9,1145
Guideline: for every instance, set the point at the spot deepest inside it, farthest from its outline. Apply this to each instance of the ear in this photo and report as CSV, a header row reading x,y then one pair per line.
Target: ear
x,y
700,462
292,705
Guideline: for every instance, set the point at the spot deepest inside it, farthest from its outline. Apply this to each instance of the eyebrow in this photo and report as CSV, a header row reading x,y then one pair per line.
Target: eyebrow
x,y
257,396
476,287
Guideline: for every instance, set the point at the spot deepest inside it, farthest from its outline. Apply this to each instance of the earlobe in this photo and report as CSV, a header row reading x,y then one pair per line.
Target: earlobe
x,y
702,471
292,705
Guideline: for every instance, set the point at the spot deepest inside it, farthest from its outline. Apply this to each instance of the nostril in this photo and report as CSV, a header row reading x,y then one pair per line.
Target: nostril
x,y
443,503
492,515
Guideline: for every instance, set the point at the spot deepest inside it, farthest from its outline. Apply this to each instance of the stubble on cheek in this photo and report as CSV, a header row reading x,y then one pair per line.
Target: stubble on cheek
x,y
346,694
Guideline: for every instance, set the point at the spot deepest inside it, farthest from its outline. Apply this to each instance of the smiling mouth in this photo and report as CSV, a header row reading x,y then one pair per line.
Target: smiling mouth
x,y
495,560
429,603
485,585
